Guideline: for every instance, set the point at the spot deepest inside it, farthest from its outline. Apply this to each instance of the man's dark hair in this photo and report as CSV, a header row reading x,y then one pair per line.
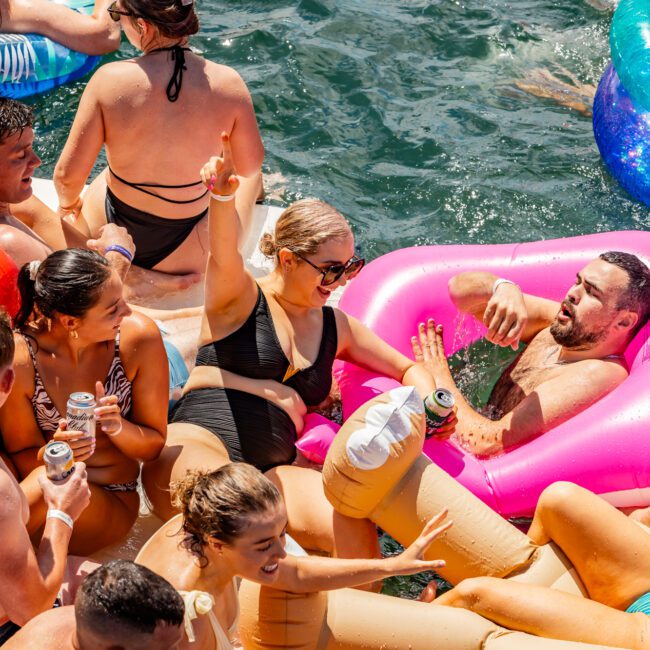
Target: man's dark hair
x,y
123,597
636,296
7,345
15,117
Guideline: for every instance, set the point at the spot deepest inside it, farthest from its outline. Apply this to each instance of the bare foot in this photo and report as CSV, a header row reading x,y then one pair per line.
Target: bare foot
x,y
429,593
575,95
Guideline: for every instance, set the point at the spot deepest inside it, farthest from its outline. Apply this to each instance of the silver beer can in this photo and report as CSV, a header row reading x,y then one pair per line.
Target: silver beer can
x,y
80,414
437,408
59,460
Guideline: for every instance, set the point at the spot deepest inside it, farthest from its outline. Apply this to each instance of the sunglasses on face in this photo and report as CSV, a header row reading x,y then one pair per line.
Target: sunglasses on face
x,y
116,13
334,272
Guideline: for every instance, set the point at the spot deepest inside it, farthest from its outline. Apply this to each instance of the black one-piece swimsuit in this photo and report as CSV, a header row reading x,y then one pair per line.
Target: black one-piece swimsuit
x,y
253,429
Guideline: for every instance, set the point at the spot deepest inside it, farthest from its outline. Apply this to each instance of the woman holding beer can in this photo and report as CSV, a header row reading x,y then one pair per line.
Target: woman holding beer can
x,y
89,373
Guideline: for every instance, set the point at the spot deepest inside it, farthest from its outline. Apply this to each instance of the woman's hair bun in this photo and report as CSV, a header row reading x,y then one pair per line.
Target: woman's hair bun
x,y
268,245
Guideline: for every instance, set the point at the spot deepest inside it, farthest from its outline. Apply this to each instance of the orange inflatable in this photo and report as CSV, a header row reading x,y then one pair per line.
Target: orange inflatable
x,y
9,297
376,469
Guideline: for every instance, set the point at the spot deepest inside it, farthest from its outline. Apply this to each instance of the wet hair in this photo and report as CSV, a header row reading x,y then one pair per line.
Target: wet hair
x,y
172,18
121,598
303,227
636,296
7,345
67,282
15,117
218,503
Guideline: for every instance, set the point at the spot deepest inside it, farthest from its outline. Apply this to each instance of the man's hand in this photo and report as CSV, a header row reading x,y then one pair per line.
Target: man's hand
x,y
71,495
506,316
412,559
72,212
110,234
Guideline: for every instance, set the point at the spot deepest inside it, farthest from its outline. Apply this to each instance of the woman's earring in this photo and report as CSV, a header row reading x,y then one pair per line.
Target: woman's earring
x,y
74,334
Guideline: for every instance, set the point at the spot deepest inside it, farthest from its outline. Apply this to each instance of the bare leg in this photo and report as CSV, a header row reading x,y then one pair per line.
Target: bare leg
x,y
188,447
548,613
91,532
610,552
314,524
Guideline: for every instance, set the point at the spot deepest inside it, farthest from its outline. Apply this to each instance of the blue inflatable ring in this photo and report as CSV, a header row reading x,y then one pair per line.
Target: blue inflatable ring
x,y
629,40
31,63
622,134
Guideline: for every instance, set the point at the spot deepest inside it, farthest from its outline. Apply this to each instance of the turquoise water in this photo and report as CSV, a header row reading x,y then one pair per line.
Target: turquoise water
x,y
405,115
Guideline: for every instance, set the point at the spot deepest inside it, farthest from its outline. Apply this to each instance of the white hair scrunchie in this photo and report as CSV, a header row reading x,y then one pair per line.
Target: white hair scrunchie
x,y
33,269
186,2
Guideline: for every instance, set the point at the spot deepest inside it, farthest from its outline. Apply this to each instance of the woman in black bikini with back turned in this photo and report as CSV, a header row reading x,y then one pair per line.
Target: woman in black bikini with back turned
x,y
150,112
266,355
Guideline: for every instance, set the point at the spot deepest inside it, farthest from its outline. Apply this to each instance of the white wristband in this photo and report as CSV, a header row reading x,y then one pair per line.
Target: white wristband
x,y
222,197
115,433
63,516
499,281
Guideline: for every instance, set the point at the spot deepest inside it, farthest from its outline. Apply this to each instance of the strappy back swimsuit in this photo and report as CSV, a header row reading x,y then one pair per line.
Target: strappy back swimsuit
x,y
253,429
155,237
47,415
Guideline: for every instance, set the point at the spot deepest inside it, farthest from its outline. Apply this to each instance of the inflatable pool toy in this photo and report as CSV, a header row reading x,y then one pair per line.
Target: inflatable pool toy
x,y
604,448
630,47
375,469
9,296
621,119
622,133
32,63
348,619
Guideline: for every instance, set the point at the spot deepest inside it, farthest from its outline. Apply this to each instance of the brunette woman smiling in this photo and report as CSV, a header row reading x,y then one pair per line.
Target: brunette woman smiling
x,y
75,333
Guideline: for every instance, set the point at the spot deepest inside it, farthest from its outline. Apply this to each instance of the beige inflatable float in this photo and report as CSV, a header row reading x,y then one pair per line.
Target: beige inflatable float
x,y
375,469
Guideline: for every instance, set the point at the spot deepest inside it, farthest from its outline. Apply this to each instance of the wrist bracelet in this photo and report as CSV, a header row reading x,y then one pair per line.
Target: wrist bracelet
x,y
116,433
74,204
222,197
63,516
499,281
121,250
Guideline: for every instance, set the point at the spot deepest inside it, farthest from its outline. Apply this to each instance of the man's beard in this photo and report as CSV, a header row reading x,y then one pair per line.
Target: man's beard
x,y
574,335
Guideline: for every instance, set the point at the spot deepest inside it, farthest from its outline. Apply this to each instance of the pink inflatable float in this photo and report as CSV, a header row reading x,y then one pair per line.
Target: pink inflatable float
x,y
605,448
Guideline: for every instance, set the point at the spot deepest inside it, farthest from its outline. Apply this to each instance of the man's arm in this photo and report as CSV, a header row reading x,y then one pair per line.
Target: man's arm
x,y
551,403
509,314
29,582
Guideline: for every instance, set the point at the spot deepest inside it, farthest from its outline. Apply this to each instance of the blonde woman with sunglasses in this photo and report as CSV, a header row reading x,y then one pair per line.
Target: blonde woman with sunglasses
x,y
266,350
150,114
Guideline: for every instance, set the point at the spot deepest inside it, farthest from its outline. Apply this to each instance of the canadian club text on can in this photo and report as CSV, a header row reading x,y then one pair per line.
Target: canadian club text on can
x,y
437,408
59,461
81,413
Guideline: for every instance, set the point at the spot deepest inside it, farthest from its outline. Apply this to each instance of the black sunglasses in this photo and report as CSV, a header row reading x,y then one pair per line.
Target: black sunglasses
x,y
334,272
115,13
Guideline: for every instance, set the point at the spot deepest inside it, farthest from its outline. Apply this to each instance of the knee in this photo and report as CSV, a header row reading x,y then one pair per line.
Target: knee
x,y
558,496
472,593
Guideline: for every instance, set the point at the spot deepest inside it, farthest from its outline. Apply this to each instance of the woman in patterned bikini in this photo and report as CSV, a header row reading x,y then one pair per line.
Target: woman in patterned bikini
x,y
75,333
